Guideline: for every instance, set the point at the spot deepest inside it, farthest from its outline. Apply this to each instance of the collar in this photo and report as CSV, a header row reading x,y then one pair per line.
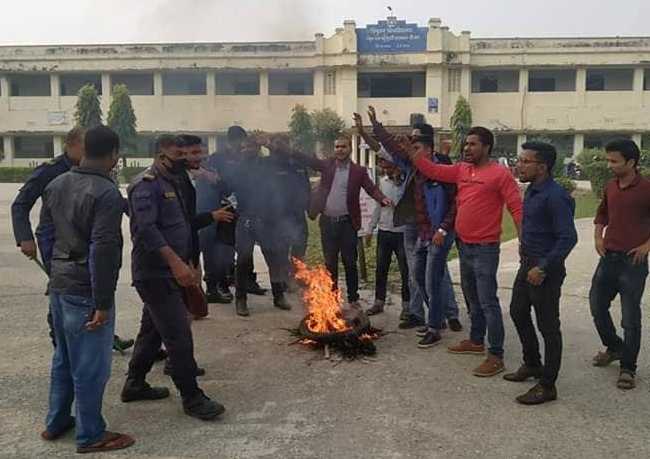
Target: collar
x,y
344,165
542,186
635,182
91,170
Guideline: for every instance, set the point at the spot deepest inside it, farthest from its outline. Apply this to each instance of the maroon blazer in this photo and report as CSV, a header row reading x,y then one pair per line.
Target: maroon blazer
x,y
357,179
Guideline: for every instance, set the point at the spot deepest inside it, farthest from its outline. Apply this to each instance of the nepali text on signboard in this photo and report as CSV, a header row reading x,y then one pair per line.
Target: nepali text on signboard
x,y
392,36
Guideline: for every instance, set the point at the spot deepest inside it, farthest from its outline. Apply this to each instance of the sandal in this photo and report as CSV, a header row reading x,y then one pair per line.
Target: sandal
x,y
49,436
626,381
110,441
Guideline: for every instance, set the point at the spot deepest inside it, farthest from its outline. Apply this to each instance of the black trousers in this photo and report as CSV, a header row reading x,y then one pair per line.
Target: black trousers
x,y
389,243
164,319
545,300
337,235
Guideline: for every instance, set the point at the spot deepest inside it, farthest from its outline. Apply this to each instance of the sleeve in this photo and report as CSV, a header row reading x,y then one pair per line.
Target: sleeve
x,y
374,218
143,205
440,172
22,205
310,161
105,257
388,141
47,236
201,220
370,187
512,196
602,214
562,210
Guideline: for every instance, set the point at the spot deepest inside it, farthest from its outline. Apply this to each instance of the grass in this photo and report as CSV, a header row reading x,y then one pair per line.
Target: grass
x,y
586,205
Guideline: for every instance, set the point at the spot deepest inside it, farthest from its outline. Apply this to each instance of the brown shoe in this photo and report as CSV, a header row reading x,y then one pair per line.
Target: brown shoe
x,y
491,366
626,381
602,359
523,373
538,395
467,347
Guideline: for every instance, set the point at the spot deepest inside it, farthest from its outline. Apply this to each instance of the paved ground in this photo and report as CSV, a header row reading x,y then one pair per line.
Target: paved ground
x,y
285,402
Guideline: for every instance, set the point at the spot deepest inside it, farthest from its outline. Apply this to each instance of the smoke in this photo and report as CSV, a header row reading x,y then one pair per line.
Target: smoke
x,y
229,20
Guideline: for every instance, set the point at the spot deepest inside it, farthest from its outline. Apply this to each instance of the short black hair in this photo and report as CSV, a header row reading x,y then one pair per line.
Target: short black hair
x,y
164,141
187,140
484,134
545,152
236,133
426,133
626,147
101,142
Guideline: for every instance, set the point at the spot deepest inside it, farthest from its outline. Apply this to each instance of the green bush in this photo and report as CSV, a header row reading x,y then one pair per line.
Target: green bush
x,y
15,174
566,183
594,165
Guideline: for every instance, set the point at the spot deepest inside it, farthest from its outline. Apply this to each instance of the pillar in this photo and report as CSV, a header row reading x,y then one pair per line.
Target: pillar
x,y
637,138
639,75
8,143
212,144
157,84
55,89
581,86
578,144
107,90
264,83
4,87
58,144
211,84
521,139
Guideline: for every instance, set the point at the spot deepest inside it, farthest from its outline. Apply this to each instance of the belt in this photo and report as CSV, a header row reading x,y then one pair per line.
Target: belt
x,y
342,218
481,244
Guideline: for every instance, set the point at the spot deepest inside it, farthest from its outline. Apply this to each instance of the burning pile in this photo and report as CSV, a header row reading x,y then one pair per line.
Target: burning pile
x,y
327,323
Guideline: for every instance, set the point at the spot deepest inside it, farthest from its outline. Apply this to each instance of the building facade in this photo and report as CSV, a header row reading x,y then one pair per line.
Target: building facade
x,y
577,92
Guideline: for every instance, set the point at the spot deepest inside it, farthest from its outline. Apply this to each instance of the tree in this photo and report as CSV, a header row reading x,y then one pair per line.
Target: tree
x,y
121,118
461,122
88,112
301,129
327,126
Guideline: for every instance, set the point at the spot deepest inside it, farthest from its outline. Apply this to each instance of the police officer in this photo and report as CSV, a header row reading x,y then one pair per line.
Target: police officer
x,y
164,261
30,192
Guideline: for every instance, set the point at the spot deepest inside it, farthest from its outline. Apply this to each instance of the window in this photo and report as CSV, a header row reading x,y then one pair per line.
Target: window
x,y
29,85
610,79
646,80
409,84
495,81
600,140
454,80
286,83
71,83
2,148
505,145
330,83
184,84
551,80
34,146
645,142
238,83
138,84
563,143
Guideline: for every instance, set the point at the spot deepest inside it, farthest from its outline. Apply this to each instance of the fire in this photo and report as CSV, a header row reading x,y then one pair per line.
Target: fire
x,y
324,314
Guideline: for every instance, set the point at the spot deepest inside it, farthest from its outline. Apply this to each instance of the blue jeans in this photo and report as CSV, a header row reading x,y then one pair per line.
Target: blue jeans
x,y
478,273
449,297
430,266
415,307
81,366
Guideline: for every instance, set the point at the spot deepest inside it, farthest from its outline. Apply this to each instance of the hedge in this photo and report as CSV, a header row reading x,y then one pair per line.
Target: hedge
x,y
594,165
15,174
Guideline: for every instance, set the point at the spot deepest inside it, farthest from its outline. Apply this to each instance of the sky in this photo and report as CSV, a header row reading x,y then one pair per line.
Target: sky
x,y
153,21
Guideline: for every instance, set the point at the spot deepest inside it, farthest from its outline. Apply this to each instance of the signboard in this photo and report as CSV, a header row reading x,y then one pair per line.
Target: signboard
x,y
432,104
392,36
55,118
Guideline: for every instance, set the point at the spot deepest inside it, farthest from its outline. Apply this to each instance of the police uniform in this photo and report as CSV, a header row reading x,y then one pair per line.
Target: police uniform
x,y
162,210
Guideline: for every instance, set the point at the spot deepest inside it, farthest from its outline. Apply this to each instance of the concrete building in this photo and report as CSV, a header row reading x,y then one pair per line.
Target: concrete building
x,y
576,91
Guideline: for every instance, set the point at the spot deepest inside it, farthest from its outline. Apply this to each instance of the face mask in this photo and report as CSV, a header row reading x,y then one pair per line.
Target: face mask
x,y
177,166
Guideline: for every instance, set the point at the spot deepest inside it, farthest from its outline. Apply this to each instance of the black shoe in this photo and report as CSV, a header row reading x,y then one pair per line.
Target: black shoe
x,y
538,395
168,370
255,289
411,322
161,355
376,308
280,302
523,373
241,307
429,340
404,315
201,407
120,345
219,295
140,390
421,332
455,325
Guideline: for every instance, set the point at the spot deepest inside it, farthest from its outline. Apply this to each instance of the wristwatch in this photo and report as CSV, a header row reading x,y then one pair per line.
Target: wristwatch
x,y
442,231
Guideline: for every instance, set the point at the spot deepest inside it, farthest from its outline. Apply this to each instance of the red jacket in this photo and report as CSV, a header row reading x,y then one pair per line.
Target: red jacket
x,y
357,179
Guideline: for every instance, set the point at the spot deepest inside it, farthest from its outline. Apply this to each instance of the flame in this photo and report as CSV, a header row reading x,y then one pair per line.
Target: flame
x,y
323,303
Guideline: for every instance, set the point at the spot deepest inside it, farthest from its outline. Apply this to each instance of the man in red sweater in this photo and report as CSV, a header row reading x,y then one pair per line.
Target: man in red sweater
x,y
483,188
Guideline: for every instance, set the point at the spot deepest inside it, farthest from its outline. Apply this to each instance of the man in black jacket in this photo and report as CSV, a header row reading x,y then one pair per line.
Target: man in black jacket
x,y
84,207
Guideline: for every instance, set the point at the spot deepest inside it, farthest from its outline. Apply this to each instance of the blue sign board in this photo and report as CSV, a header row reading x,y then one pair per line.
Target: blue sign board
x,y
392,36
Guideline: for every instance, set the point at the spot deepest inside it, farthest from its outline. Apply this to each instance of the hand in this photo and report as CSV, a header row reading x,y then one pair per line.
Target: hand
x,y
385,202
372,114
358,122
184,274
536,276
198,272
223,215
438,239
99,318
600,246
28,248
640,253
